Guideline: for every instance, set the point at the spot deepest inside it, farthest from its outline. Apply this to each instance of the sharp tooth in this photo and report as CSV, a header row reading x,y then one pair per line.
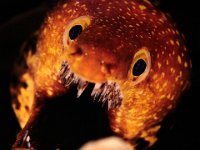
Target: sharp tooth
x,y
109,104
28,139
29,145
69,79
67,75
25,136
76,79
105,92
96,90
81,87
64,69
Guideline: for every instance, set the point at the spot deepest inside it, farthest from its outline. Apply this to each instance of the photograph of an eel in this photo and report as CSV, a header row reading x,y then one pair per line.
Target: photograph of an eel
x,y
130,52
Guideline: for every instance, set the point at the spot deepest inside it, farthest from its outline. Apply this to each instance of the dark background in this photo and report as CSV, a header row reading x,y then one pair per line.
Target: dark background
x,y
179,132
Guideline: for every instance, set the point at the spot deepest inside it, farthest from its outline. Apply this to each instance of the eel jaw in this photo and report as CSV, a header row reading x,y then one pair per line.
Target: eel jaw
x,y
107,92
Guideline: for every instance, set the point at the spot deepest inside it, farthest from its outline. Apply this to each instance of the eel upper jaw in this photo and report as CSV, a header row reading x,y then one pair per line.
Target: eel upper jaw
x,y
107,92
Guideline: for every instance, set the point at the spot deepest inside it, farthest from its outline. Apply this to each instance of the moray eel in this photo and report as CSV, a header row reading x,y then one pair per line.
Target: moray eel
x,y
130,50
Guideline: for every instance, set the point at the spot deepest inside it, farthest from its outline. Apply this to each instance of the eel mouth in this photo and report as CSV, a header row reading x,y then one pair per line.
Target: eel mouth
x,y
108,93
70,120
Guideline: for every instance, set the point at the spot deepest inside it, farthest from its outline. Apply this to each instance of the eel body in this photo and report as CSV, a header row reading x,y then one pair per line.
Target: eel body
x,y
129,49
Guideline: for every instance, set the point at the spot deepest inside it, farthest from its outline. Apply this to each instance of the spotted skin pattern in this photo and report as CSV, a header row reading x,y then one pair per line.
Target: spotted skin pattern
x,y
116,34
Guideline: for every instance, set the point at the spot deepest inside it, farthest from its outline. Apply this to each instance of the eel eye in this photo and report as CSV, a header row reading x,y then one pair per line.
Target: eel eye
x,y
74,28
139,67
75,31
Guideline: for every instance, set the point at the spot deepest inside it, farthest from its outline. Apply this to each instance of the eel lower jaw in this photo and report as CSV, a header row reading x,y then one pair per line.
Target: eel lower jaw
x,y
108,92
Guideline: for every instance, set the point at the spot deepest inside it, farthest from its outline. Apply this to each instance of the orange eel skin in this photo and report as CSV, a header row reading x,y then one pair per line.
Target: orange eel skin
x,y
115,35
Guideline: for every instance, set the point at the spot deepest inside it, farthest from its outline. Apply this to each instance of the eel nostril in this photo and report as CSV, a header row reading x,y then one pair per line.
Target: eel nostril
x,y
77,52
106,68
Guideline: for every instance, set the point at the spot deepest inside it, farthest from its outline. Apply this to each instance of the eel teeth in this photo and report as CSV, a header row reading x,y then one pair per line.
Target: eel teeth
x,y
25,136
26,140
81,87
108,92
97,90
69,79
109,104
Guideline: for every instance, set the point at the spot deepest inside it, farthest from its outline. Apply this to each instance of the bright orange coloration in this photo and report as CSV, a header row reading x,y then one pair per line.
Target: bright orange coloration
x,y
25,98
115,35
